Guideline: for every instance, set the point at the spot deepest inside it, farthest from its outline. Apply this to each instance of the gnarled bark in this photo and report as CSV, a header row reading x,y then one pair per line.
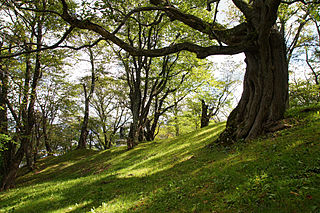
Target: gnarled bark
x,y
265,92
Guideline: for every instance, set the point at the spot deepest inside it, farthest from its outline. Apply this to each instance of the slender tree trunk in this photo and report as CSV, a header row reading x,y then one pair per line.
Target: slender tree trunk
x,y
84,127
135,99
150,132
28,154
45,136
205,116
141,132
105,138
37,139
176,120
265,92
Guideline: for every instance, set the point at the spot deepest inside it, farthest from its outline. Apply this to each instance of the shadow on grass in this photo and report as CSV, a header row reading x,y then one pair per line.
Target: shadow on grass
x,y
182,176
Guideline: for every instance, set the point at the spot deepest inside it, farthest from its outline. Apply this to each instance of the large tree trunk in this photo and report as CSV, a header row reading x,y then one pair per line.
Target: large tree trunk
x,y
265,92
28,118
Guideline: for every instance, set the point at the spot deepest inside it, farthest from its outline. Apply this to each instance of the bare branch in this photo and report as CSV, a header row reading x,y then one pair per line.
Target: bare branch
x,y
312,69
40,11
83,46
293,44
137,10
302,1
65,35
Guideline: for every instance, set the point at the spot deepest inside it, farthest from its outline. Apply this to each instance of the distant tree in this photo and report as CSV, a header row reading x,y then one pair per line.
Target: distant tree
x,y
52,92
216,93
146,77
110,105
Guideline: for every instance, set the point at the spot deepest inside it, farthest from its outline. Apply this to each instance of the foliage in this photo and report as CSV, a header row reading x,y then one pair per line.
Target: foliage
x,y
303,92
3,140
300,111
279,173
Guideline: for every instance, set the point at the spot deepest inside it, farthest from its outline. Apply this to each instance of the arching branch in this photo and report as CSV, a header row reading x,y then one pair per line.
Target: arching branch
x,y
197,23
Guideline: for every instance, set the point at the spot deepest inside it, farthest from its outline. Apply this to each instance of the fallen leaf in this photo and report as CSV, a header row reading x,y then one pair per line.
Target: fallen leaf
x,y
294,193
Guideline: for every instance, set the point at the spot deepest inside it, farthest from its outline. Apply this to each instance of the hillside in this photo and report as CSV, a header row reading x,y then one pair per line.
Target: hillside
x,y
279,173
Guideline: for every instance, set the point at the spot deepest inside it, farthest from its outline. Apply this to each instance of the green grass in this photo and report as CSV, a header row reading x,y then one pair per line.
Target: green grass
x,y
277,173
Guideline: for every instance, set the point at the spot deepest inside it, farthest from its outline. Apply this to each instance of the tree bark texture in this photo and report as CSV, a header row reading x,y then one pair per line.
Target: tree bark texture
x,y
265,92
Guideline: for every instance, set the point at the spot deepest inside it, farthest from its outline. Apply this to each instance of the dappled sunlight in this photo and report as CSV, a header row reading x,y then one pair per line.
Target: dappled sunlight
x,y
153,163
168,158
121,203
235,159
53,192
211,128
177,175
77,207
162,156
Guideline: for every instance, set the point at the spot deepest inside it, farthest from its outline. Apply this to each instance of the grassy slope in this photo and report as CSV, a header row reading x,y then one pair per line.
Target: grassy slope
x,y
280,173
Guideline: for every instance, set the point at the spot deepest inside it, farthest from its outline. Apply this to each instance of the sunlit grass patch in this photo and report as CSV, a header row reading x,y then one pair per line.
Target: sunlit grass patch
x,y
278,173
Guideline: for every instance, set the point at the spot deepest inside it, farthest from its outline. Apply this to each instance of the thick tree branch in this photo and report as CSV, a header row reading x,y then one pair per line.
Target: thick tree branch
x,y
201,52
